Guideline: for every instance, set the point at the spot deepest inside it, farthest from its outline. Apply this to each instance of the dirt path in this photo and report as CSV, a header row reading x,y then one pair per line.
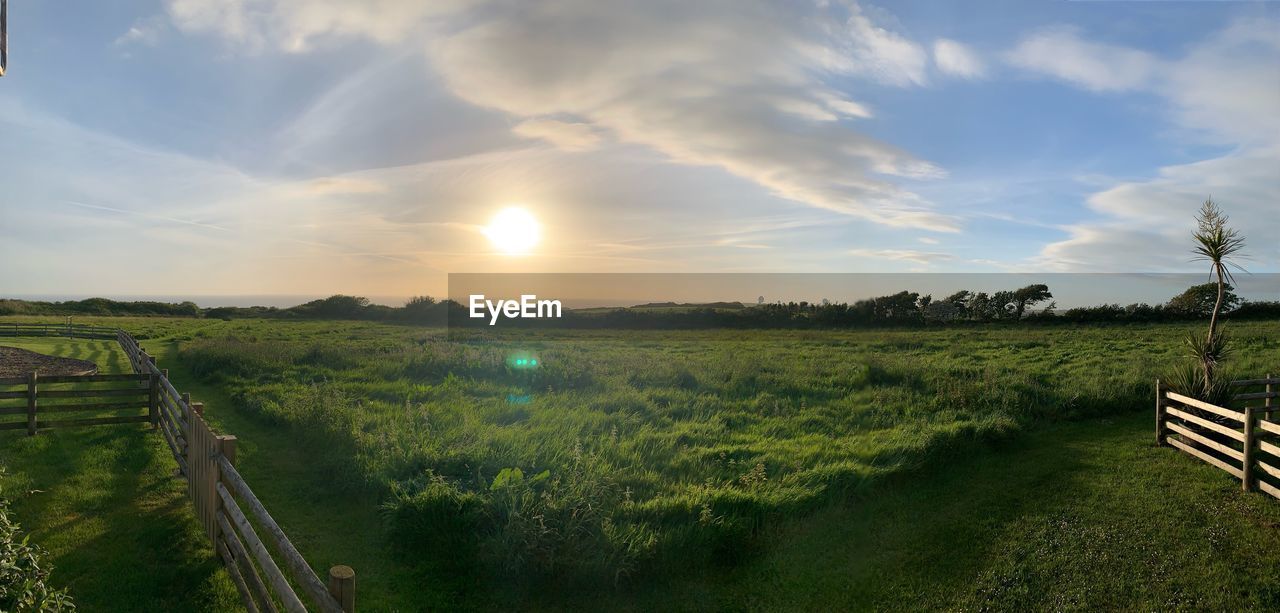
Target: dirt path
x,y
16,362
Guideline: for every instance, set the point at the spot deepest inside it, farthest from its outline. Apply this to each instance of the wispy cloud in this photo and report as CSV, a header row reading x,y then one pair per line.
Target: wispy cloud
x,y
730,84
1224,90
957,59
908,255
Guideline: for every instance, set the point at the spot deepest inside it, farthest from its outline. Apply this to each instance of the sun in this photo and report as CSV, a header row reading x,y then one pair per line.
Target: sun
x,y
513,231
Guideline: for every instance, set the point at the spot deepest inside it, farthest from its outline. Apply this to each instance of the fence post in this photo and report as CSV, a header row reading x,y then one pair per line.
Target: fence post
x,y
1246,463
197,408
31,403
342,586
1270,403
1159,413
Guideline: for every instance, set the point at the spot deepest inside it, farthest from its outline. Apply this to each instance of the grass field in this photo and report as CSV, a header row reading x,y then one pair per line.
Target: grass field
x,y
965,468
105,504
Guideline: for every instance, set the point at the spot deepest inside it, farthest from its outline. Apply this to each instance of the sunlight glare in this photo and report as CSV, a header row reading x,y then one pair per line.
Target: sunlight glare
x,y
513,231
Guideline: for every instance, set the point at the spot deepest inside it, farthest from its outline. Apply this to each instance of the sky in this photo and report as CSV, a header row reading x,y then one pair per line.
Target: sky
x,y
290,147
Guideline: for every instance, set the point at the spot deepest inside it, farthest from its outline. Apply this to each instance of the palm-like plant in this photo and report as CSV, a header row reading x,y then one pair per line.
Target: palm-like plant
x,y
1218,245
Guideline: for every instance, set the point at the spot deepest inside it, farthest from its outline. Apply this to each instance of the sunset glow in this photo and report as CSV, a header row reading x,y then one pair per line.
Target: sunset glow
x,y
513,231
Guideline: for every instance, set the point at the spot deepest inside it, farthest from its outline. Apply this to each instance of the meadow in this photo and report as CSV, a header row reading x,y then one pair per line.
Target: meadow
x,y
987,466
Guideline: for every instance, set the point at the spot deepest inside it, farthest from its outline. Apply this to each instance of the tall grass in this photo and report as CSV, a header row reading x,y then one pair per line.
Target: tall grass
x,y
625,453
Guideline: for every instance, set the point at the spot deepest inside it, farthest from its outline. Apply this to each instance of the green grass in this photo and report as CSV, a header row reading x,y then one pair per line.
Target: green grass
x,y
104,501
1082,516
965,468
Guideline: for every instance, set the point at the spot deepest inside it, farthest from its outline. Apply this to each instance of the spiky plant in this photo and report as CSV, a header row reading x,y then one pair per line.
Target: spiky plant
x,y
1218,245
1187,379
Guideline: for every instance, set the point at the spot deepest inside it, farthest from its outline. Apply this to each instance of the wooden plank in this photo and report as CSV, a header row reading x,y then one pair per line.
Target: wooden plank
x,y
176,445
22,410
136,378
300,570
97,406
1231,470
133,391
247,569
96,421
1269,426
1204,423
1269,448
13,425
13,380
17,394
1267,468
1251,382
236,577
1214,445
1271,490
167,413
254,543
1257,396
1204,406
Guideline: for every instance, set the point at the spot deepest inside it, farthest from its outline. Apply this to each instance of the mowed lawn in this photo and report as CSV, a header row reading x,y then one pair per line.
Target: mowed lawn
x,y
1075,515
105,503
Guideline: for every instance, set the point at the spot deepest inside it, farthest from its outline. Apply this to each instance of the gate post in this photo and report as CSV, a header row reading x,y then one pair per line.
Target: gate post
x,y
1159,413
153,400
342,586
1246,464
31,403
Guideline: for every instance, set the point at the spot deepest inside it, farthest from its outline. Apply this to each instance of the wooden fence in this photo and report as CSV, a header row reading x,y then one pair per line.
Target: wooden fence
x,y
1244,443
205,459
67,330
77,394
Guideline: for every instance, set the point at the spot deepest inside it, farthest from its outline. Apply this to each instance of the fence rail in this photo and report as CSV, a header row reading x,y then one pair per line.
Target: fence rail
x,y
76,394
64,330
205,459
1243,443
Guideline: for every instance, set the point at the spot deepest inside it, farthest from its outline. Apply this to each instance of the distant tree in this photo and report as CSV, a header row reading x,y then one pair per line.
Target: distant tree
x,y
1029,296
1002,303
1200,300
338,306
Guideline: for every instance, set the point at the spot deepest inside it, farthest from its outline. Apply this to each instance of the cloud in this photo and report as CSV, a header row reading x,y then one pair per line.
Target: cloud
x,y
928,241
570,136
1223,91
908,255
1147,225
957,60
1060,52
293,25
739,86
742,86
143,32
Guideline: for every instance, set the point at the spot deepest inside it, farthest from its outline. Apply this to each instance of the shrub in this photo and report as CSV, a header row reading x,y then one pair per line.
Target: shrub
x,y
23,576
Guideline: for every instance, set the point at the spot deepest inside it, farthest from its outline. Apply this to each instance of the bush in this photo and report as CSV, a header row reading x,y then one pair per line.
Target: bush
x,y
22,575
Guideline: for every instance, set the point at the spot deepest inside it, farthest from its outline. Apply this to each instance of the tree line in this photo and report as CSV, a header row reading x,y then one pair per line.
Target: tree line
x,y
1029,304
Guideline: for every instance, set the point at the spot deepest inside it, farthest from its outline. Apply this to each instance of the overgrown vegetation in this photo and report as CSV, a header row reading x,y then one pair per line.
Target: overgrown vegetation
x,y
628,454
24,574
